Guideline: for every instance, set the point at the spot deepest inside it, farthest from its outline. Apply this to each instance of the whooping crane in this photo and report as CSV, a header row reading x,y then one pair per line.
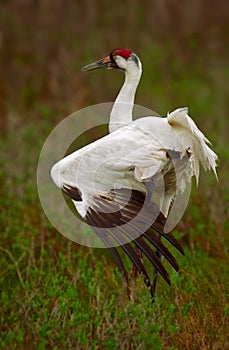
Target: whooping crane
x,y
117,200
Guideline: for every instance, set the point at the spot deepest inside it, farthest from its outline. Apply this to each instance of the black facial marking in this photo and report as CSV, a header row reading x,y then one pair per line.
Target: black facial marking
x,y
112,57
113,63
134,58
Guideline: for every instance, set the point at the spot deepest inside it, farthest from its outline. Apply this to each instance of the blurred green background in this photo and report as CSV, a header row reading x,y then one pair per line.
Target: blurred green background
x,y
55,294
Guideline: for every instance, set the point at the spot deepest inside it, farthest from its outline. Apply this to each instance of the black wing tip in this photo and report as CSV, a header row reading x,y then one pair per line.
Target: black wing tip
x,y
118,226
73,192
157,242
169,236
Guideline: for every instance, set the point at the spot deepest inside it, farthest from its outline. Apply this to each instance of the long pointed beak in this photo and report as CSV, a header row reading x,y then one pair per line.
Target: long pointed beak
x,y
103,63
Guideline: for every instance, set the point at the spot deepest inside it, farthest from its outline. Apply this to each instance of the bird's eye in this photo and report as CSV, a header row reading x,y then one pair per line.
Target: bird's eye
x,y
112,57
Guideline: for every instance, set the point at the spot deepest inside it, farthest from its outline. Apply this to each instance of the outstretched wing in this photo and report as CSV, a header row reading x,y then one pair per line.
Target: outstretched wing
x,y
123,217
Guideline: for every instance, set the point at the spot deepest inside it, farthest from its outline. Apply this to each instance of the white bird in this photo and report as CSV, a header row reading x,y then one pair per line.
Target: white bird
x,y
125,183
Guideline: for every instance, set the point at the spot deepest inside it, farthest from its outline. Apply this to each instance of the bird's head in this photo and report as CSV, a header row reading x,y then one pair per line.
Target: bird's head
x,y
122,59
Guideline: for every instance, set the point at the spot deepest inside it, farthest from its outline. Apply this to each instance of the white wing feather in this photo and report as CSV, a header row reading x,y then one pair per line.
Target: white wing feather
x,y
194,140
132,155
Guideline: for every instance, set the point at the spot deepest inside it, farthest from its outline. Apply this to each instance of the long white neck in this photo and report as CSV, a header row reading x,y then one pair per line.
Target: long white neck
x,y
121,113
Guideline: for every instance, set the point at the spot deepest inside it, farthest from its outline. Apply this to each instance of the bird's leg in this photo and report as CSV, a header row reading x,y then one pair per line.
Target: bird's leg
x,y
134,269
155,273
149,191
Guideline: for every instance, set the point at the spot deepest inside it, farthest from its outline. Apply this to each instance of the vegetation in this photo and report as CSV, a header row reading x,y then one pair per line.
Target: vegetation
x,y
55,294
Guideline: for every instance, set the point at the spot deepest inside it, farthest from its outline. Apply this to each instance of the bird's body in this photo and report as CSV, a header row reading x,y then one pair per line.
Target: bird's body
x,y
135,154
165,152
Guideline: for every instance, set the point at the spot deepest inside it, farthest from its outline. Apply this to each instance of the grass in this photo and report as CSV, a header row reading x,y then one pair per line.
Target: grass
x,y
55,294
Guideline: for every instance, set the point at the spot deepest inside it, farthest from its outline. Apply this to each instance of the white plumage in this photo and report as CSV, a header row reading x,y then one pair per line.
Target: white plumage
x,y
135,154
165,152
